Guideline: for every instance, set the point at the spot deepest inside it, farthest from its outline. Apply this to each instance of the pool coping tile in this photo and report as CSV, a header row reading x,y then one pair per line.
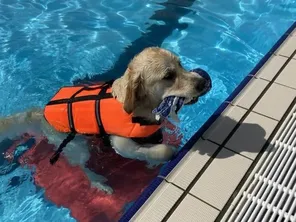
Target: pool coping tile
x,y
158,204
271,67
250,93
272,103
257,127
287,76
194,209
225,123
221,178
190,165
288,47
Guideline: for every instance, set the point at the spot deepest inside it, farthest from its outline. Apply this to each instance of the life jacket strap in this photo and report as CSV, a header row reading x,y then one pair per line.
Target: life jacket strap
x,y
57,153
144,122
101,95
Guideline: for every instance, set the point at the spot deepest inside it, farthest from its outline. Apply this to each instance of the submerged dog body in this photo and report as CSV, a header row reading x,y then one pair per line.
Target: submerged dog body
x,y
151,76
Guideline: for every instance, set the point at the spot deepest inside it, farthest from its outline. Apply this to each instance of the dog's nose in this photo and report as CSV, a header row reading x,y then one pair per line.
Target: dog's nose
x,y
201,85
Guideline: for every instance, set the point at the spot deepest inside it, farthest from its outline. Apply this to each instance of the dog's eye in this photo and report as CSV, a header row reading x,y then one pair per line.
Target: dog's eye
x,y
170,75
179,63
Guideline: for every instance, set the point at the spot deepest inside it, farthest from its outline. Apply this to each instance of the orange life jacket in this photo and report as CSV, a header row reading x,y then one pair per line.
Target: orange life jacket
x,y
93,110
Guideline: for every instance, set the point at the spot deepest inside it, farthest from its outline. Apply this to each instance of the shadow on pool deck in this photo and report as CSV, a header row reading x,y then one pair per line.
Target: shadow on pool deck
x,y
249,138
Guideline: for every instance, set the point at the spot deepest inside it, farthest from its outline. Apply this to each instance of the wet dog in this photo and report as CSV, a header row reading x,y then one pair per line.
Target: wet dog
x,y
151,76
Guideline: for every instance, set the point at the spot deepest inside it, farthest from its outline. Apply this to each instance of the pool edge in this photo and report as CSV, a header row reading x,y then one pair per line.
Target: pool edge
x,y
170,166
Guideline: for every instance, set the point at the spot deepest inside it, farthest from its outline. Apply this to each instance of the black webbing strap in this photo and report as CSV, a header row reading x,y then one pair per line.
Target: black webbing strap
x,y
144,122
102,94
103,133
82,98
57,153
70,112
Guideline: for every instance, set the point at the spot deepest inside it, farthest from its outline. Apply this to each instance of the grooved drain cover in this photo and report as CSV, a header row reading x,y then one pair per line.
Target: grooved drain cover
x,y
269,194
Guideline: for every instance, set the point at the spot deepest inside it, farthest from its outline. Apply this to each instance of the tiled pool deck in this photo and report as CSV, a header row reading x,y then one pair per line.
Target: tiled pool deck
x,y
203,185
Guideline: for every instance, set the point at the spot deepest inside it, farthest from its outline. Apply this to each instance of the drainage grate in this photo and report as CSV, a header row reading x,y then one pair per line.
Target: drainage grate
x,y
269,194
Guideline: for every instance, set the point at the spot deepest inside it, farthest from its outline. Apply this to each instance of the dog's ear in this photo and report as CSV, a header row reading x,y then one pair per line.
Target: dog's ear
x,y
133,91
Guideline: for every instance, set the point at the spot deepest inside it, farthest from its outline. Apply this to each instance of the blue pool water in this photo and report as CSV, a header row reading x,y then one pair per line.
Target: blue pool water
x,y
45,44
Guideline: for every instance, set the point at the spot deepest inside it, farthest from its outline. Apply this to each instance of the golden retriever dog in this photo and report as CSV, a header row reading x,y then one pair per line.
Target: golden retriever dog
x,y
152,75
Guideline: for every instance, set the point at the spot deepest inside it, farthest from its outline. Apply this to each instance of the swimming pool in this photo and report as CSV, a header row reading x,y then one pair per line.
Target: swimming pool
x,y
47,44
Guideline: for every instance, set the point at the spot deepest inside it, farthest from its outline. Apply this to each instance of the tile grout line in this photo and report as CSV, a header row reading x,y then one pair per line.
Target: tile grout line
x,y
277,83
204,202
245,177
290,87
268,117
172,183
180,199
283,56
230,149
261,78
261,114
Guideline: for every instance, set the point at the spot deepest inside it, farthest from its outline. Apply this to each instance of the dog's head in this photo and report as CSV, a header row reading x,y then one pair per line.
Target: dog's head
x,y
156,73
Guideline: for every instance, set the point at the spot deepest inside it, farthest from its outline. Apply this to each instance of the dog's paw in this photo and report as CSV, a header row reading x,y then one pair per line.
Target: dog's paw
x,y
161,153
107,189
152,164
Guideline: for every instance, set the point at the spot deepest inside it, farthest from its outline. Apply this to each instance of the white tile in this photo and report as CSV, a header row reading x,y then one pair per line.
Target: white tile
x,y
271,67
250,93
275,101
294,33
252,134
192,163
221,178
288,47
288,75
191,210
220,129
158,204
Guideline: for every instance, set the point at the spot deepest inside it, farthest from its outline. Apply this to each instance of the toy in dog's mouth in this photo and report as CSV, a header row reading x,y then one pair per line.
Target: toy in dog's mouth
x,y
172,104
